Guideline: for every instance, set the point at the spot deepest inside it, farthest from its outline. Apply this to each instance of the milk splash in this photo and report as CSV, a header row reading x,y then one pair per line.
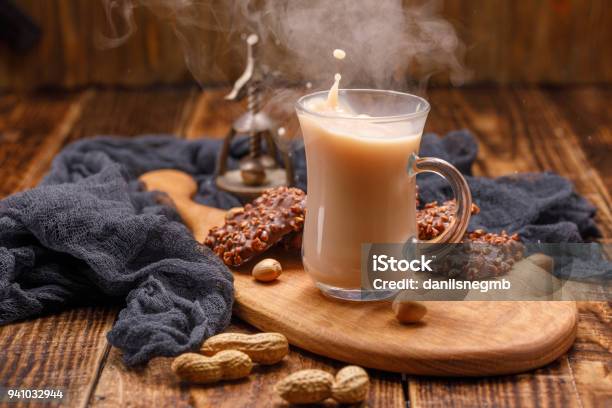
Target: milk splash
x,y
332,102
332,96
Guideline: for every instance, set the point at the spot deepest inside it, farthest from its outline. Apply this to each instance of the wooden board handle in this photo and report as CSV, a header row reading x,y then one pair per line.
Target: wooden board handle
x,y
181,188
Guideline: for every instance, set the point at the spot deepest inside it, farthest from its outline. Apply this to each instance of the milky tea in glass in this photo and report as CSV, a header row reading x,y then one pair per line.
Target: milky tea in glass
x,y
361,167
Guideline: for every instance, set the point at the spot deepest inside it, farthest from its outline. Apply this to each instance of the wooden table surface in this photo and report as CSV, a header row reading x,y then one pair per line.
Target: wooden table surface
x,y
567,130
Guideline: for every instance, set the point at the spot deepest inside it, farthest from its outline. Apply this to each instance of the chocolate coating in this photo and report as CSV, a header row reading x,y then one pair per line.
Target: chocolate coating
x,y
484,254
434,219
265,221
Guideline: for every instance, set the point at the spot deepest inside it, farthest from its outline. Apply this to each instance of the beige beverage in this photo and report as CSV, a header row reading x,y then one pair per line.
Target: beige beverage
x,y
361,194
361,156
361,153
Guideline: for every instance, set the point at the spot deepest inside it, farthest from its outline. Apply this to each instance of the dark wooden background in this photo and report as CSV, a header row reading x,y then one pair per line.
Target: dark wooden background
x,y
508,41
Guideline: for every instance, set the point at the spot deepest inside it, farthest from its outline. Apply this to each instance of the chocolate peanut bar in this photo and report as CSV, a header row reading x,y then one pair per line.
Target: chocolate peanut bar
x,y
434,219
269,218
484,237
483,254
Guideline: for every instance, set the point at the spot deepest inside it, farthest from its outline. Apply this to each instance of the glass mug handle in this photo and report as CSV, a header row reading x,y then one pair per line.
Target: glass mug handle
x,y
456,230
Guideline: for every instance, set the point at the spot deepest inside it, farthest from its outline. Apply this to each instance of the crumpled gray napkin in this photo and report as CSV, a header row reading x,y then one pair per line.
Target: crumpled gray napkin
x,y
540,207
88,235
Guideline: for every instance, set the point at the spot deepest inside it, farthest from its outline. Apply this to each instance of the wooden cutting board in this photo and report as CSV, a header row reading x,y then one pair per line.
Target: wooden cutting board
x,y
454,339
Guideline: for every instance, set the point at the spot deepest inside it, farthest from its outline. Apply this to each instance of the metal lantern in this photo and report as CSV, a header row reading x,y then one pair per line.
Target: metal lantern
x,y
258,171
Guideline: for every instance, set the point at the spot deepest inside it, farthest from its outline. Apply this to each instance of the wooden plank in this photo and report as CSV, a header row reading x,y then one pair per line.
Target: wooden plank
x,y
156,385
520,130
60,351
35,128
589,114
187,112
557,148
516,132
130,113
502,149
584,129
539,388
31,130
489,119
563,41
591,356
213,115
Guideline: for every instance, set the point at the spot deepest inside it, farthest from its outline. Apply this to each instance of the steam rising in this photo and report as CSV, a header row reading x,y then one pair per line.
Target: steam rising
x,y
383,39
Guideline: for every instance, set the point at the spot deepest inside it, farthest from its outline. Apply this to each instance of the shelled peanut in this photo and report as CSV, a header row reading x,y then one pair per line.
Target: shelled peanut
x,y
407,311
267,270
225,365
262,348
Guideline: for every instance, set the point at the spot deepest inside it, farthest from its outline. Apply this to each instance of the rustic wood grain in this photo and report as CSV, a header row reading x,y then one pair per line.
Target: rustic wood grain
x,y
569,154
132,113
213,115
522,130
61,351
30,129
156,385
552,41
591,356
551,386
581,378
589,114
557,148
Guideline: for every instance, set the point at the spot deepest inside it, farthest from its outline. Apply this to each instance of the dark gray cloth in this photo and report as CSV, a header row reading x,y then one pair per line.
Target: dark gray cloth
x,y
540,207
90,234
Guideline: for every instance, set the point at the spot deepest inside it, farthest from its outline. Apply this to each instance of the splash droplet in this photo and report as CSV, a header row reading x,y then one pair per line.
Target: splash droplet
x,y
339,54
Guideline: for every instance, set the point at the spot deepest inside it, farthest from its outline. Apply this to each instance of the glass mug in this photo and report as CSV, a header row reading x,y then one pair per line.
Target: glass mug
x,y
362,184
